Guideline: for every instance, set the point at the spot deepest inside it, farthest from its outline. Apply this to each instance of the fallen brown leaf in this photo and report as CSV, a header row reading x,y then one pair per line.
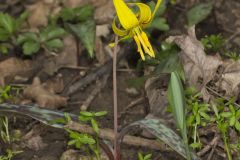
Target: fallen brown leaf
x,y
43,96
199,68
40,12
66,58
230,78
105,13
12,67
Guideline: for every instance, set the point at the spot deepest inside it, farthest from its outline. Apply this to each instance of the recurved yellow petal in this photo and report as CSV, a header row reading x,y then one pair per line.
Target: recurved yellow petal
x,y
145,13
118,31
125,15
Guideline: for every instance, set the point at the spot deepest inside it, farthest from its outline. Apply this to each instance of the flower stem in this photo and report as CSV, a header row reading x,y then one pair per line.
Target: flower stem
x,y
115,107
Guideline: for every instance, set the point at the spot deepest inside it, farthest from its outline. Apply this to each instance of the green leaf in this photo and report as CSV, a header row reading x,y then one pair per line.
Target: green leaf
x,y
178,103
196,145
87,140
7,22
238,114
82,118
54,44
232,109
86,32
30,47
190,120
84,13
4,35
87,114
140,156
22,18
67,14
226,114
232,121
29,36
160,24
3,49
95,125
163,133
237,125
71,142
51,32
100,114
148,157
205,116
177,100
199,13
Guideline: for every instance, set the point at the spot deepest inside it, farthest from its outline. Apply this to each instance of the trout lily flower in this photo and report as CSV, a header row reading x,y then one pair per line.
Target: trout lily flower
x,y
132,24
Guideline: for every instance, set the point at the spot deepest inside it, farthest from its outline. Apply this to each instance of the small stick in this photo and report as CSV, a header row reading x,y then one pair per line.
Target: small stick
x,y
209,146
108,134
94,93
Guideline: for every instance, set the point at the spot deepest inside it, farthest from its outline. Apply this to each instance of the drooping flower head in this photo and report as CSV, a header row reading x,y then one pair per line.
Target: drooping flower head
x,y
132,24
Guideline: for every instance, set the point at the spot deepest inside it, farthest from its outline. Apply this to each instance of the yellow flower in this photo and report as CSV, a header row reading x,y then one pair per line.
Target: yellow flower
x,y
133,24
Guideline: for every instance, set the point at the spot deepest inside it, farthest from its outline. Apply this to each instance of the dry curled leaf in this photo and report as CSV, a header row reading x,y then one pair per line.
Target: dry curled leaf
x,y
230,78
12,67
40,12
104,13
199,68
43,95
66,58
33,140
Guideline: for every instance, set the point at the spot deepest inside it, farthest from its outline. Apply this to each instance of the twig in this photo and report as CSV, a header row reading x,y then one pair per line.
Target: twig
x,y
219,95
94,93
132,104
93,75
209,146
115,105
108,134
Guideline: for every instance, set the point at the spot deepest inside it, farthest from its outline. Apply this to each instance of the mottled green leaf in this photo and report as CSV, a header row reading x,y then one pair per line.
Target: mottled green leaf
x,y
86,32
199,13
165,134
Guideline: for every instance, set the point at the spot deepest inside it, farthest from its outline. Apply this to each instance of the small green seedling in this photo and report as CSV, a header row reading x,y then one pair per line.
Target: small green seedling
x,y
5,93
232,55
49,39
9,27
232,116
4,130
213,43
9,155
144,157
198,116
223,127
80,23
91,117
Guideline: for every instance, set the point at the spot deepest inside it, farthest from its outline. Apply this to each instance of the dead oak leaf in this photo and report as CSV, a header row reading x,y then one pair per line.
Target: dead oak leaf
x,y
199,68
44,97
40,12
66,58
230,78
12,67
